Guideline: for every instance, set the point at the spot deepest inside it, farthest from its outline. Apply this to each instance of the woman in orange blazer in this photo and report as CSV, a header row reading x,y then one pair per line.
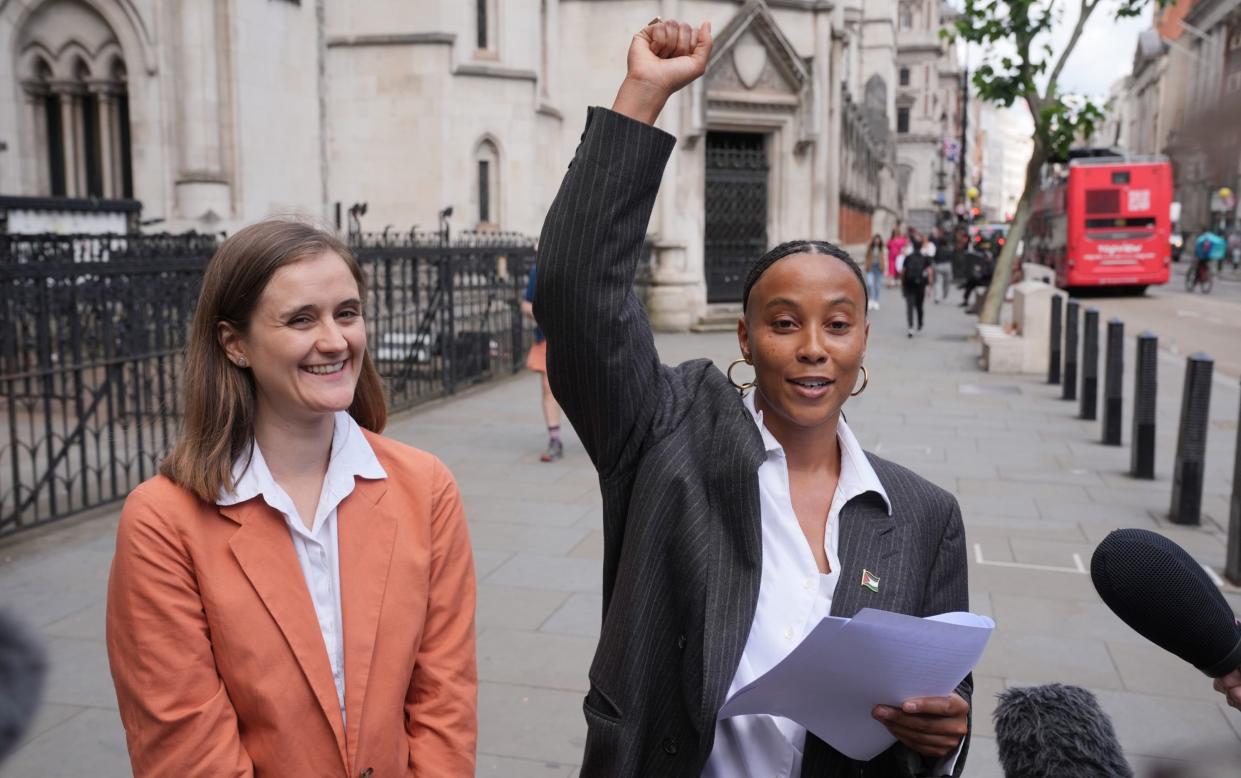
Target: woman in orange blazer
x,y
294,594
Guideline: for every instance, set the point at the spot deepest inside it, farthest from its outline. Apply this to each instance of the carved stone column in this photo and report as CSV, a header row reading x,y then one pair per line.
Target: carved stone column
x,y
202,108
37,166
69,94
109,163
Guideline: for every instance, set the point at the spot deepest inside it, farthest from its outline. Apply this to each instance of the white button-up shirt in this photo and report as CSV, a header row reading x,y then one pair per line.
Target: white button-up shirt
x,y
793,597
317,548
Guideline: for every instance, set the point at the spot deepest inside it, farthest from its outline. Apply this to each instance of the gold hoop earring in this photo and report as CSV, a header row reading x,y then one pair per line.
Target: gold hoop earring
x,y
737,386
865,381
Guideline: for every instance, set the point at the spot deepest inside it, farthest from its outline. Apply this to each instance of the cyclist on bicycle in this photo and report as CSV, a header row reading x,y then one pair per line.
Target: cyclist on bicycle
x,y
1209,247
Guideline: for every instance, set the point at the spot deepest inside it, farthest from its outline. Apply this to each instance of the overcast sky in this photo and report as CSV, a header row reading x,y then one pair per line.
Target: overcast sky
x,y
1103,54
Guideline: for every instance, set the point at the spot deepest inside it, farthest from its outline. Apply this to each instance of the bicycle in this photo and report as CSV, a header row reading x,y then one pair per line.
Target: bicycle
x,y
1201,275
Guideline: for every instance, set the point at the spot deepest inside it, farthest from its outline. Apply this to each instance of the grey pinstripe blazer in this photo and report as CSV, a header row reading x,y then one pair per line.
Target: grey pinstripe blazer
x,y
678,457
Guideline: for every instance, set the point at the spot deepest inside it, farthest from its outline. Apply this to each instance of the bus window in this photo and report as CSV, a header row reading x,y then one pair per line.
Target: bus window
x,y
1102,201
1132,221
1120,177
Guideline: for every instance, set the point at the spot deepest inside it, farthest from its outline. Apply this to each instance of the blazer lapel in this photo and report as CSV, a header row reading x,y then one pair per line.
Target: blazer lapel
x,y
265,552
868,545
735,564
367,536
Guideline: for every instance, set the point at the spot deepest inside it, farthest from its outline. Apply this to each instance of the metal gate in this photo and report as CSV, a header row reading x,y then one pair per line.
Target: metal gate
x,y
736,211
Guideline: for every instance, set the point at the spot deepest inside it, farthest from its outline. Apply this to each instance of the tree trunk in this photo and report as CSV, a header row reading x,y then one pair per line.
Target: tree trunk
x,y
1004,263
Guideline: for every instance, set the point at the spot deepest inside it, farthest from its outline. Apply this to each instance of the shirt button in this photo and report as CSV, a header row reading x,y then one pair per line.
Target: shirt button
x,y
809,584
670,746
789,633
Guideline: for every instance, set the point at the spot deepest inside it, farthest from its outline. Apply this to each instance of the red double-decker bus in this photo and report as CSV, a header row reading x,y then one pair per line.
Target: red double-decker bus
x,y
1106,223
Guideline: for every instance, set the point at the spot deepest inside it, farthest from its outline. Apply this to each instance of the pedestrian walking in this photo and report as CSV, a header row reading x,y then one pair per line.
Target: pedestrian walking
x,y
896,249
917,273
876,256
536,360
942,260
1234,248
293,594
732,523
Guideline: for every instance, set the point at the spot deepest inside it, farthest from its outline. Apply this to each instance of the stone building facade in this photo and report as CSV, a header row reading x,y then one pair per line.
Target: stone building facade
x,y
1205,146
929,111
214,114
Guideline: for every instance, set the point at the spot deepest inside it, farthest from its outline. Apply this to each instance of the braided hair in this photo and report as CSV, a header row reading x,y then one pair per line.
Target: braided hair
x,y
800,247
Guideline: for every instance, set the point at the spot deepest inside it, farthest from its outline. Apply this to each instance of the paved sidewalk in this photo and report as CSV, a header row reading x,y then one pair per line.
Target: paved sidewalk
x,y
1035,486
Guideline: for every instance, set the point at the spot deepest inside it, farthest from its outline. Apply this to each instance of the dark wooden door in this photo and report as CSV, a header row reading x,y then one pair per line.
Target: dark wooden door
x,y
736,211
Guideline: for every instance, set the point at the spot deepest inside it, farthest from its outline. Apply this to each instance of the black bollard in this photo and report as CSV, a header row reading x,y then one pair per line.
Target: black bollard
x,y
1145,383
1232,569
1053,365
1070,350
1090,365
1191,441
1113,374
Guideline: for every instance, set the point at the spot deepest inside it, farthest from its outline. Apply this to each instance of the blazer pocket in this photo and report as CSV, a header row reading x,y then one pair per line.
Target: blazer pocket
x,y
598,706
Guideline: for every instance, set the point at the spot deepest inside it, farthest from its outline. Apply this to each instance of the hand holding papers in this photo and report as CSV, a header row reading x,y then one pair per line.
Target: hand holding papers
x,y
830,683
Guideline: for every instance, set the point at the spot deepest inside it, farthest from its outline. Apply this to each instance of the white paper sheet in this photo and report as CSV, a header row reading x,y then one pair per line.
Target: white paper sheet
x,y
845,667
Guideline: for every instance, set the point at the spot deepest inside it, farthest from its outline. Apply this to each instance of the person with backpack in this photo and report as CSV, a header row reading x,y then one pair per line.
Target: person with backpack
x,y
917,273
1208,248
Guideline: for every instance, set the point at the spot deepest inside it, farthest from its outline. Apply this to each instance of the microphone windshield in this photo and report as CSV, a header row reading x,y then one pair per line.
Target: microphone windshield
x,y
1157,588
1056,731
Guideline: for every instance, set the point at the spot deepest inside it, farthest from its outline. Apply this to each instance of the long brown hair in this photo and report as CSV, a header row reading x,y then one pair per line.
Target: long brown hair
x,y
220,397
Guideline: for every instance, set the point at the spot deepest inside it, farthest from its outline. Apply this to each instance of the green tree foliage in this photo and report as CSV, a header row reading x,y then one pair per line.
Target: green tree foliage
x,y
1030,72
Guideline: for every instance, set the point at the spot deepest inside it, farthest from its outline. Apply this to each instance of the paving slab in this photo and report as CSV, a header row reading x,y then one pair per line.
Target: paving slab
x,y
543,659
515,607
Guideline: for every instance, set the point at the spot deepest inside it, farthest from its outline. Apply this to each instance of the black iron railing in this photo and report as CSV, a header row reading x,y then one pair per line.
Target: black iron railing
x,y
92,332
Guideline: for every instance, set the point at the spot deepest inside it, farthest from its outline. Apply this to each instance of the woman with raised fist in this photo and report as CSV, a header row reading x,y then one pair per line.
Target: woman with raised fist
x,y
733,521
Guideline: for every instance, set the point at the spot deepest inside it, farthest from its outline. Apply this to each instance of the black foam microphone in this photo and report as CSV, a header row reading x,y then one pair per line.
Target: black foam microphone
x,y
1056,731
22,667
1157,588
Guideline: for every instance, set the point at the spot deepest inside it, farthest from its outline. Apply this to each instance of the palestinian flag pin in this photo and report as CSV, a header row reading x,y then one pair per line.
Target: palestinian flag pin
x,y
870,581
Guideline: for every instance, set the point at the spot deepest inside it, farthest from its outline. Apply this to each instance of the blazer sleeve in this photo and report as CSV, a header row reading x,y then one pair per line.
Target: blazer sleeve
x,y
947,591
601,358
441,706
177,715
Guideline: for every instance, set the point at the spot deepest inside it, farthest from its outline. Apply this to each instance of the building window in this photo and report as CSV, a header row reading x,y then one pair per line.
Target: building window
x,y
486,35
484,191
487,191
77,104
904,76
906,17
482,24
55,140
902,119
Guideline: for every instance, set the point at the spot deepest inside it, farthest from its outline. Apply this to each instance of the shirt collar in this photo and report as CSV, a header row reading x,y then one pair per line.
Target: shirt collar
x,y
856,474
352,456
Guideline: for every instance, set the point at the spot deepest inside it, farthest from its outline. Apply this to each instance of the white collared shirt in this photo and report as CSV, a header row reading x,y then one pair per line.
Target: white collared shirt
x,y
792,598
317,547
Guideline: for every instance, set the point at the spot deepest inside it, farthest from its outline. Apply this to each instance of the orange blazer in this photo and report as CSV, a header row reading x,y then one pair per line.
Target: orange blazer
x,y
216,653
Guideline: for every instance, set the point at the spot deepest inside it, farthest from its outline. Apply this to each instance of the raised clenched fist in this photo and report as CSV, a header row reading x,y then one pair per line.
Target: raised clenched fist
x,y
663,57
